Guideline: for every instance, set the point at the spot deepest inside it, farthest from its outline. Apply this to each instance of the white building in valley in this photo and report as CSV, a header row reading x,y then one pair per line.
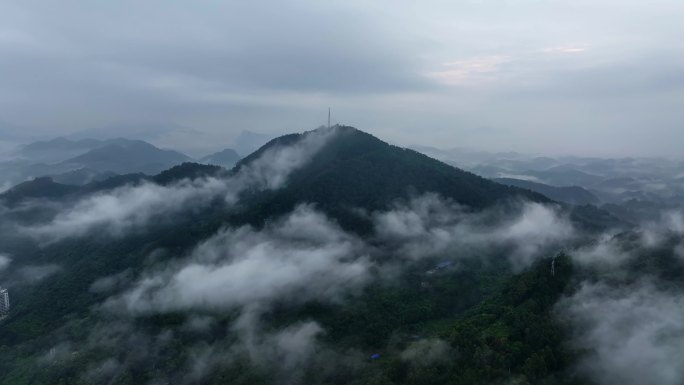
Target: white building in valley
x,y
4,302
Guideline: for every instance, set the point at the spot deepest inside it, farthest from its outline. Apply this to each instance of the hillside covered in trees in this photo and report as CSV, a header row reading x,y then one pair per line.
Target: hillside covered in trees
x,y
328,257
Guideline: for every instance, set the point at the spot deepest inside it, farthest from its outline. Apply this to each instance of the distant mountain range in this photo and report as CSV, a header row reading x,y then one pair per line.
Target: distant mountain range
x,y
57,149
172,135
126,156
80,160
619,184
83,161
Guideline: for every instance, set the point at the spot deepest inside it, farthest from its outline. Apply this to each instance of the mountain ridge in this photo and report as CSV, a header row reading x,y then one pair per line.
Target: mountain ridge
x,y
569,194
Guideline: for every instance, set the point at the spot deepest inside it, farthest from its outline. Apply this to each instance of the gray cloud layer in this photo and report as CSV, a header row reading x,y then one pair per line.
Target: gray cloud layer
x,y
602,77
305,256
4,261
610,252
627,324
431,226
633,335
299,258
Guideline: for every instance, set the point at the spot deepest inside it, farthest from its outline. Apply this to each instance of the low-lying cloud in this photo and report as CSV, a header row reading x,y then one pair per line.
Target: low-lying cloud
x,y
35,273
631,335
271,170
289,347
244,271
429,226
132,207
301,257
426,352
628,324
127,208
306,256
612,250
4,262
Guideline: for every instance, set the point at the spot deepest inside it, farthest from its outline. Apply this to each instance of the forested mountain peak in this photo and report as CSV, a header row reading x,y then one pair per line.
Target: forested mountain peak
x,y
356,168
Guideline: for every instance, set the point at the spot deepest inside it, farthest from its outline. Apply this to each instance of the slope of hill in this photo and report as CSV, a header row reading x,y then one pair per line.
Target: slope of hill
x,y
569,194
51,189
358,170
43,187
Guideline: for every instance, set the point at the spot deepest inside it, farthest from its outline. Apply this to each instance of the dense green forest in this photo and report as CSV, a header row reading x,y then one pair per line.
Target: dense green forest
x,y
456,316
487,323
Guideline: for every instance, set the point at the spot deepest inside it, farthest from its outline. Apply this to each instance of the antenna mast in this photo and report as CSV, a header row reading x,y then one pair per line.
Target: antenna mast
x,y
328,117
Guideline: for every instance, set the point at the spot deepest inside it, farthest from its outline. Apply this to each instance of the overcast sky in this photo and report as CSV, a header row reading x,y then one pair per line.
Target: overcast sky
x,y
586,77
